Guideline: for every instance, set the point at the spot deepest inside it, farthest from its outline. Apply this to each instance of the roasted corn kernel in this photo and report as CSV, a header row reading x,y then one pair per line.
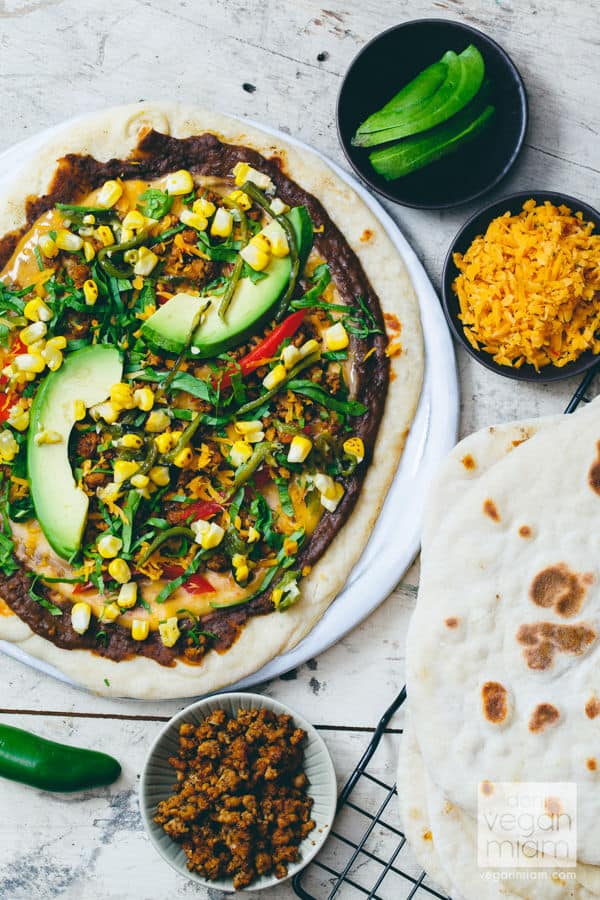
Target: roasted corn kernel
x,y
203,207
48,246
110,612
144,398
131,441
134,220
222,224
146,261
128,595
336,337
32,333
37,311
169,631
140,629
29,362
121,396
124,469
193,220
157,421
109,193
119,570
275,377
239,453
354,446
109,546
8,446
159,475
52,356
300,447
184,458
81,614
88,251
179,183
256,257
208,534
105,235
90,291
66,240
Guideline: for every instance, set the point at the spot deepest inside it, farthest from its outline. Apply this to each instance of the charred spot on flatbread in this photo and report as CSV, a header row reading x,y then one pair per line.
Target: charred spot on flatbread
x,y
559,588
543,640
525,531
468,462
594,473
543,716
592,708
452,622
486,788
592,764
553,806
494,698
490,509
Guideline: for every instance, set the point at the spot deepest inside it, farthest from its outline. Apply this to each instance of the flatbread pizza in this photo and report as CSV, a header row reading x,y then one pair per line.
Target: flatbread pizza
x,y
211,357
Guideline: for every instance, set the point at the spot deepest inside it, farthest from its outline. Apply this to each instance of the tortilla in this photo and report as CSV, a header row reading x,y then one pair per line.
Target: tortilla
x,y
114,133
452,842
502,648
442,835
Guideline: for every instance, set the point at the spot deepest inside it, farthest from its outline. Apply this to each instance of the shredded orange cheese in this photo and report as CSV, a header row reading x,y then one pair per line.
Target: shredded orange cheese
x,y
529,287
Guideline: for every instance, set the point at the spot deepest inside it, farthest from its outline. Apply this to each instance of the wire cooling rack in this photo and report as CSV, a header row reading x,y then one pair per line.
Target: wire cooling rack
x,y
366,854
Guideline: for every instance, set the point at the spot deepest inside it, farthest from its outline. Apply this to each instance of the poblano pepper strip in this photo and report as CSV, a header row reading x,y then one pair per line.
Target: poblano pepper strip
x,y
315,392
257,195
177,364
247,469
108,266
239,263
177,531
264,398
263,586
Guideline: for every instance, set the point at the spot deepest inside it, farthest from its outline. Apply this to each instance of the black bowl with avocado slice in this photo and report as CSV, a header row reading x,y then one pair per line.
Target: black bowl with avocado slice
x,y
388,64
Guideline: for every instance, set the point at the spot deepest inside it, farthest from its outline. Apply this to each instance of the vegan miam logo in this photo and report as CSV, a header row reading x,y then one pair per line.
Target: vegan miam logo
x,y
527,825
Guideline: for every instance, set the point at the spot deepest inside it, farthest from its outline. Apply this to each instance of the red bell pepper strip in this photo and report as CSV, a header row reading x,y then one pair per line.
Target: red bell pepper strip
x,y
198,584
267,348
81,588
6,404
203,509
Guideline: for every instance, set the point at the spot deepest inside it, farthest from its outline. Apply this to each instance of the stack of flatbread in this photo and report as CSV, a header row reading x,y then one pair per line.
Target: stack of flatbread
x,y
503,651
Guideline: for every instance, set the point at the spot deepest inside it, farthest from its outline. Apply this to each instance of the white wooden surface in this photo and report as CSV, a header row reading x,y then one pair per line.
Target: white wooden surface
x,y
62,57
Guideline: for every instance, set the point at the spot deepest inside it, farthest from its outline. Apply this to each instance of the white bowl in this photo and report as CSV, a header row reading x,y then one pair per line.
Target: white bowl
x,y
158,778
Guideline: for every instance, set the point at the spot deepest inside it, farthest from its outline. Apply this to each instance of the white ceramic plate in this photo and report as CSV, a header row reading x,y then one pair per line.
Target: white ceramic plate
x,y
157,779
395,540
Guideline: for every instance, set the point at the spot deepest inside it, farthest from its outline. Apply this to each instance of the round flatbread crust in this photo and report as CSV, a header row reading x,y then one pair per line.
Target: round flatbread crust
x,y
114,133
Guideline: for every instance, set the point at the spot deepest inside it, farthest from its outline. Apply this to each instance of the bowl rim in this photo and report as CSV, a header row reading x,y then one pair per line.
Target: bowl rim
x,y
525,373
256,701
523,107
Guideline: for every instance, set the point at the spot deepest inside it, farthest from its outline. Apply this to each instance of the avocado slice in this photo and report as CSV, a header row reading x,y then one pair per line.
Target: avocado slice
x,y
463,80
410,98
60,506
422,149
169,327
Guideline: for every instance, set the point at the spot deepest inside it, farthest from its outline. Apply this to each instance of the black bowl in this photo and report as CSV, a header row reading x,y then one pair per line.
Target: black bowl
x,y
394,58
478,224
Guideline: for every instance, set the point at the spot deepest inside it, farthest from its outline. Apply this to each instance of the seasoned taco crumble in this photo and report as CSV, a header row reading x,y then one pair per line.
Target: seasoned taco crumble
x,y
194,371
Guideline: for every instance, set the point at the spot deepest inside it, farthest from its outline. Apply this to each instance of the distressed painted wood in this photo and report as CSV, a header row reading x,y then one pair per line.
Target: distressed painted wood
x,y
281,63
